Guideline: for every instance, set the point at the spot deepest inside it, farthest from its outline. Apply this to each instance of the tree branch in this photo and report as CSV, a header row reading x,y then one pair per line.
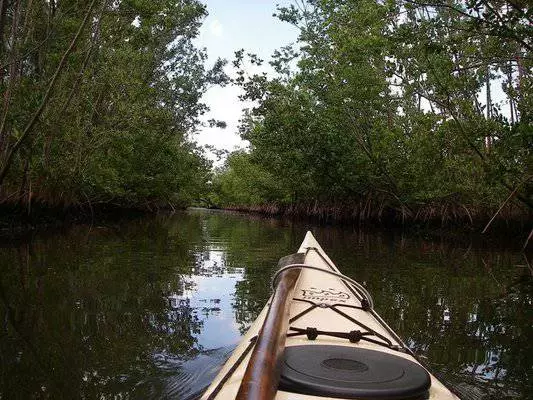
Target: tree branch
x,y
29,127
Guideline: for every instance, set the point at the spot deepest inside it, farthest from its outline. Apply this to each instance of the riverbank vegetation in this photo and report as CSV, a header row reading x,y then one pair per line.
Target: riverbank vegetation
x,y
98,102
390,110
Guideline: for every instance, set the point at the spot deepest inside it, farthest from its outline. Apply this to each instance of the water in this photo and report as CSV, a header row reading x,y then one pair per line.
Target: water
x,y
151,308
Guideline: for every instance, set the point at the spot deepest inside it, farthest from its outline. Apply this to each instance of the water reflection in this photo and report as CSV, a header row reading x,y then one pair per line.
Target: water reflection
x,y
210,294
151,308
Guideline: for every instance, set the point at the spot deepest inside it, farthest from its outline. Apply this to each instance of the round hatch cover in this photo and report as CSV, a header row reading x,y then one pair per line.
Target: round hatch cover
x,y
349,372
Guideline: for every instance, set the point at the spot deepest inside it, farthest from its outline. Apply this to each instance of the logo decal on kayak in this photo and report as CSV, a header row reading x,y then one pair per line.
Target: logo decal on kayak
x,y
325,295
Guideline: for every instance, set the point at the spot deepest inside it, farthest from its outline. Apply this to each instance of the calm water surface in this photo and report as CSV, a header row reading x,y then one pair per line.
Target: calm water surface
x,y
151,308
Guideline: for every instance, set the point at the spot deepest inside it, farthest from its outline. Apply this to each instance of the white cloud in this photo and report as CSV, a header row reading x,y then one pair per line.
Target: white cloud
x,y
215,28
225,106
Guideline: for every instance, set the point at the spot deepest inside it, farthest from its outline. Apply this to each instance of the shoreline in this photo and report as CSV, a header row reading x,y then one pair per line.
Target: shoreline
x,y
427,215
508,229
14,223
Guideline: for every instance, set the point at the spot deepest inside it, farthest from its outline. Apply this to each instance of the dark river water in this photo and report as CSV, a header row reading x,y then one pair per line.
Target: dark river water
x,y
150,308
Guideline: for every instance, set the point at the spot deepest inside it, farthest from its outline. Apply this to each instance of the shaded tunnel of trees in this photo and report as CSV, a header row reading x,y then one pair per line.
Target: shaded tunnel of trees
x,y
395,110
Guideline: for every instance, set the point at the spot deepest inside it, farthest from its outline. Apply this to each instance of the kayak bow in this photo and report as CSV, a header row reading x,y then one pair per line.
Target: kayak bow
x,y
319,337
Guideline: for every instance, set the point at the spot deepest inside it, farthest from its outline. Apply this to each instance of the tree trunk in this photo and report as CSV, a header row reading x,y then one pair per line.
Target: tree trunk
x,y
31,124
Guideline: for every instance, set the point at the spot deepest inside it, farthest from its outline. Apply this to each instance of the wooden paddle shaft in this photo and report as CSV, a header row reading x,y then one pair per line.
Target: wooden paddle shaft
x,y
261,379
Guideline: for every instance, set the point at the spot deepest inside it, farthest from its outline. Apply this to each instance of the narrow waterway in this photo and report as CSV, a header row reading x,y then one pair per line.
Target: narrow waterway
x,y
150,308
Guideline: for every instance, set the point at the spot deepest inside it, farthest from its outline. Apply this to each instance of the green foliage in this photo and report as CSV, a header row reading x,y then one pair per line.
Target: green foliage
x,y
242,181
117,123
386,101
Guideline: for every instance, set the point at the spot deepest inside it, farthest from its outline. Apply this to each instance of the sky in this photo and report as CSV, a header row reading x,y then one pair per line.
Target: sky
x,y
230,26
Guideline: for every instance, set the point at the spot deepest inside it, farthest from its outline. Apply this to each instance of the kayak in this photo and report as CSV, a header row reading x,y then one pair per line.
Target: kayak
x,y
319,337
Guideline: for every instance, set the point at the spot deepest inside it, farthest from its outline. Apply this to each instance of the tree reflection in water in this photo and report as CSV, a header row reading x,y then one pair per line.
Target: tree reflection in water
x,y
152,307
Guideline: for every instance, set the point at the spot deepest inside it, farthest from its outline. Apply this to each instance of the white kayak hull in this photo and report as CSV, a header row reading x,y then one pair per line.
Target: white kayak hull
x,y
325,290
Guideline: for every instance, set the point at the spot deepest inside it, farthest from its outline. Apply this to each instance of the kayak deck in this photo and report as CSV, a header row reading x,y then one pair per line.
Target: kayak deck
x,y
331,314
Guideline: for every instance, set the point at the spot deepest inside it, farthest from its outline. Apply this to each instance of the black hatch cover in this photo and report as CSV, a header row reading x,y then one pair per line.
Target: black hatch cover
x,y
348,372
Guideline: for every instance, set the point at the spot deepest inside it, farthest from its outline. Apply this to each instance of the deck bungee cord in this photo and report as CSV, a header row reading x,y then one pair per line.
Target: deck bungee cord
x,y
354,336
364,295
333,269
